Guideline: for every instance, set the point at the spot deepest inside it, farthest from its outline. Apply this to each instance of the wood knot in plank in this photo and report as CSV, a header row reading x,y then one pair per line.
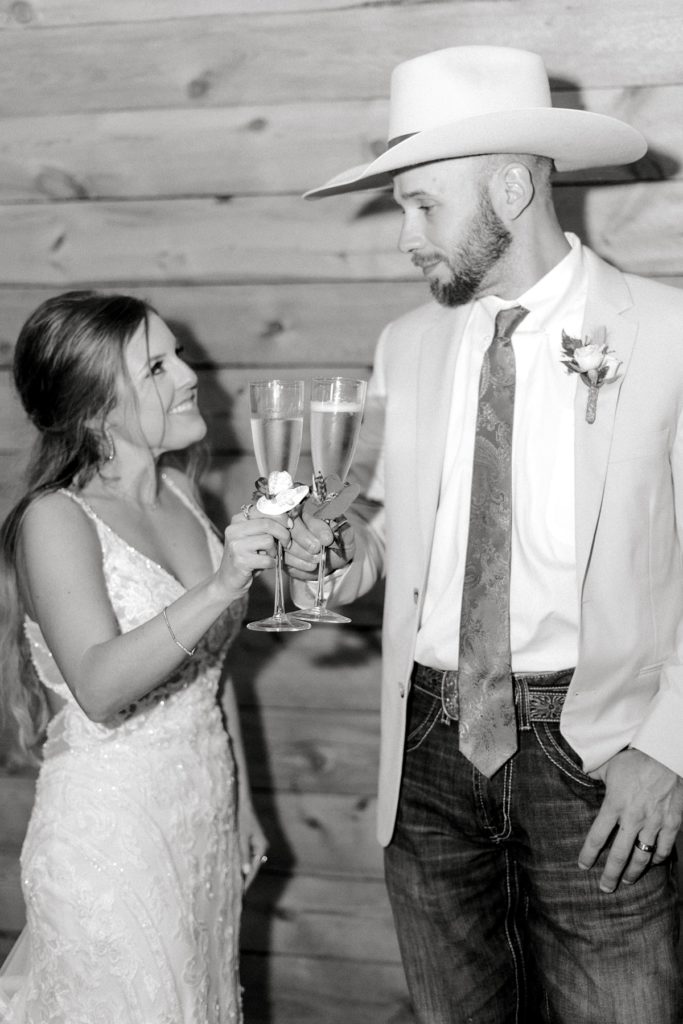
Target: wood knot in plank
x,y
21,12
272,329
315,758
59,184
200,86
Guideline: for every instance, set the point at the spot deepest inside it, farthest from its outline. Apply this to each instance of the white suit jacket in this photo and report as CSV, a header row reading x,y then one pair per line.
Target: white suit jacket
x,y
628,684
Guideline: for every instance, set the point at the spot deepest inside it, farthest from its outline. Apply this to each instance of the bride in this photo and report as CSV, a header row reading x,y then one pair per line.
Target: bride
x,y
121,603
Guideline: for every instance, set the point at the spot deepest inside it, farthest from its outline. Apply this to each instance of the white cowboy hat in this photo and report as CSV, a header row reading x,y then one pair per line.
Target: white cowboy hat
x,y
469,100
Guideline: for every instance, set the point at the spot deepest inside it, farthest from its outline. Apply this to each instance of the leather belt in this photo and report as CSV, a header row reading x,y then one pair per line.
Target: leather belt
x,y
539,696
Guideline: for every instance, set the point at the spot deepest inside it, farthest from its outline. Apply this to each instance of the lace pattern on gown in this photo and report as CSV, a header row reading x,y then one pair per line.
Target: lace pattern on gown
x,y
131,867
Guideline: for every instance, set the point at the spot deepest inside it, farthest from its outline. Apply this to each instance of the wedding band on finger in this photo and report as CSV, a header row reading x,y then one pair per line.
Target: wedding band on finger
x,y
246,509
645,847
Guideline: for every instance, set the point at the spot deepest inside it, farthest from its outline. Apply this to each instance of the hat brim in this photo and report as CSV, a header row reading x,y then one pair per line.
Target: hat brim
x,y
574,139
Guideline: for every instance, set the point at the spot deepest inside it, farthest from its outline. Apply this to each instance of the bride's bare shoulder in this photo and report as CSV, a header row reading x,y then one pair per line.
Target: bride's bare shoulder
x,y
55,518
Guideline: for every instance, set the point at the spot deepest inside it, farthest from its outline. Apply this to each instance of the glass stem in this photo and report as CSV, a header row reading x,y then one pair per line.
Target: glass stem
x,y
320,589
279,609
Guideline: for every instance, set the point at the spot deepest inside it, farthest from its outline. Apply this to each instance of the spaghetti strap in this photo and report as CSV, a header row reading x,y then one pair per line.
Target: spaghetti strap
x,y
89,511
191,504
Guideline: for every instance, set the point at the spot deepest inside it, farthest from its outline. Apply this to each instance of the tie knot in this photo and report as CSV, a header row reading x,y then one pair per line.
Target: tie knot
x,y
508,320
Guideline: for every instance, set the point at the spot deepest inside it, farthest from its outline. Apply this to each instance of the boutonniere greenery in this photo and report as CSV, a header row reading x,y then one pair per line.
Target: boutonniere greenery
x,y
595,363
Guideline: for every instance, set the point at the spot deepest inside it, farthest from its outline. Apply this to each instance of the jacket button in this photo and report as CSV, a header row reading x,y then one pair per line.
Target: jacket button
x,y
402,689
416,595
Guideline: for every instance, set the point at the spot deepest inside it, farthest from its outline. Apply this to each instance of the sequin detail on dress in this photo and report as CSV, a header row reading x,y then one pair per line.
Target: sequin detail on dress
x,y
131,866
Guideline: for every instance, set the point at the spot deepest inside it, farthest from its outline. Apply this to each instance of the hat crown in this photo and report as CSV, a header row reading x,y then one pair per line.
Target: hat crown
x,y
460,82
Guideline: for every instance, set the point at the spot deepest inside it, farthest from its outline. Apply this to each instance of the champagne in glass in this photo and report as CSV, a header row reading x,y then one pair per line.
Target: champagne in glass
x,y
277,418
277,442
334,434
336,415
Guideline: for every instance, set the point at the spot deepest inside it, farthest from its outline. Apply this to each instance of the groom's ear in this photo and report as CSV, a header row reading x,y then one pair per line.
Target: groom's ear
x,y
511,190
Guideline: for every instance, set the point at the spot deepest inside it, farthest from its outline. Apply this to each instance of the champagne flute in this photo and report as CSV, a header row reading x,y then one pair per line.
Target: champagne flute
x,y
336,415
277,420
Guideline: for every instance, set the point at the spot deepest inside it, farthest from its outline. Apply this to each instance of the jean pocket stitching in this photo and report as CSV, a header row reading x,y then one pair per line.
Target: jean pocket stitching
x,y
427,722
564,763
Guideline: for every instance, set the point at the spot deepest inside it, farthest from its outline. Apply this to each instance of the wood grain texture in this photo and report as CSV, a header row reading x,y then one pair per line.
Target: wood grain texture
x,y
332,670
305,990
218,60
283,239
341,918
30,14
329,834
257,150
313,751
11,901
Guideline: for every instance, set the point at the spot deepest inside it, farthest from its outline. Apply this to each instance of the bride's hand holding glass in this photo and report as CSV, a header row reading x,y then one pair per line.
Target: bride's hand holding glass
x,y
250,546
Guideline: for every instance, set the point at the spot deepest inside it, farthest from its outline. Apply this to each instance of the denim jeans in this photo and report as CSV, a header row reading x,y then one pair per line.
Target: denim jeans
x,y
496,922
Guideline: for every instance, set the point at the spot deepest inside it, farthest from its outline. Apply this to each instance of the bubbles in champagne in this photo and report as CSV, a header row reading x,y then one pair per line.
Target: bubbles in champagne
x,y
334,435
277,443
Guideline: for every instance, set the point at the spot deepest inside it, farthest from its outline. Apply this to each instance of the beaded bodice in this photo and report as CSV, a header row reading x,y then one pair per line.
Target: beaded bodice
x,y
138,589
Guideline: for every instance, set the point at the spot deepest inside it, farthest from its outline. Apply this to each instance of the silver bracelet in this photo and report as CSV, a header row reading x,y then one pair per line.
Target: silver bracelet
x,y
175,639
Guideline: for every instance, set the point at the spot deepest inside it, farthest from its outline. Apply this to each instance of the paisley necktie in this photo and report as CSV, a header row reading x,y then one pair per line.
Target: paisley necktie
x,y
486,713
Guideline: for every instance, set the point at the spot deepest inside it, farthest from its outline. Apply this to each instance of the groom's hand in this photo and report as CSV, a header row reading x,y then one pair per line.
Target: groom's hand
x,y
643,804
308,536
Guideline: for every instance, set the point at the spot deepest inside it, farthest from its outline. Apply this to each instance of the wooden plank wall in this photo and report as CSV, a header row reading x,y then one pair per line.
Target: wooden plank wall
x,y
161,147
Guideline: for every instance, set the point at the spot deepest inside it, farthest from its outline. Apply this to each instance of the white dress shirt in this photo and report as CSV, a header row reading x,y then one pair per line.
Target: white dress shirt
x,y
543,589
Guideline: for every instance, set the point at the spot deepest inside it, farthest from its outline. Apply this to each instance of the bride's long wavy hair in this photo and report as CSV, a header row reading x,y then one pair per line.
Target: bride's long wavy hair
x,y
68,360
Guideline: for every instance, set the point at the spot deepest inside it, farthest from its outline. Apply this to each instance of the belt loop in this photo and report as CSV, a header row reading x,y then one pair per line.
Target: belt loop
x,y
523,702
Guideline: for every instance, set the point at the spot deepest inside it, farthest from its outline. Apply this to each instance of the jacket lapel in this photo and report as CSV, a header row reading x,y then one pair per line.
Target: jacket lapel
x,y
609,304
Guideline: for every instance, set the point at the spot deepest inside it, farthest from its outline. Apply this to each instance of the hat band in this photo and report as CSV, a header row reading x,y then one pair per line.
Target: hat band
x,y
400,138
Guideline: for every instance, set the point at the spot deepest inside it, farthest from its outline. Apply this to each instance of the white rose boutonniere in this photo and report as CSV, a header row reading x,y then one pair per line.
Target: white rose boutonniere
x,y
278,494
595,363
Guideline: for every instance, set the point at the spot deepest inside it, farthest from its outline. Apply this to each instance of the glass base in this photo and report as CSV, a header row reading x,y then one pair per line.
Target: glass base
x,y
322,614
282,623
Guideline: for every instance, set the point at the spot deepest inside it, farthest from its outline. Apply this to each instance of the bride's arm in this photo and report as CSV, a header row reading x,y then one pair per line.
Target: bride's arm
x,y
63,589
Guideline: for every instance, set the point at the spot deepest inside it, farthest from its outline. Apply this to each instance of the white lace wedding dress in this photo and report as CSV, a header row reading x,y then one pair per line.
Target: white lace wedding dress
x,y
130,867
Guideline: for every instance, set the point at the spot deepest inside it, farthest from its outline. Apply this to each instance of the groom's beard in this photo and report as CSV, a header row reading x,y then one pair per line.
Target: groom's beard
x,y
487,239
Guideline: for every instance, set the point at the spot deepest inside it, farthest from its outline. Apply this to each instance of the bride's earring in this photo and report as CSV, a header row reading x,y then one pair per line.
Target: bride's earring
x,y
110,451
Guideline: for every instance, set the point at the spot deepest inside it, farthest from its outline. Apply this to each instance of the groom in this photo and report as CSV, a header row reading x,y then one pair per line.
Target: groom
x,y
523,495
